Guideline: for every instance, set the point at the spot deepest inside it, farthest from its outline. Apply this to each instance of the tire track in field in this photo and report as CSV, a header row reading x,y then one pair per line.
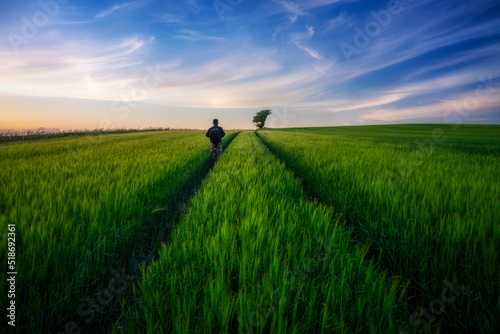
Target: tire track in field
x,y
166,224
374,252
183,202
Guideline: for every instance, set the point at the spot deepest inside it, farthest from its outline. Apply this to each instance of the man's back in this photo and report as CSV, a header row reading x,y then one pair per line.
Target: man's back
x,y
215,133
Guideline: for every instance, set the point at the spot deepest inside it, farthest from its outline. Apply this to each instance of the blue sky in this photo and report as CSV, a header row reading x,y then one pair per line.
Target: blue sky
x,y
75,64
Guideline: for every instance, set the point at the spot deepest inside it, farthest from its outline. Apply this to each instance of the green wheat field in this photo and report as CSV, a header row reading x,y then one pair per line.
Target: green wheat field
x,y
368,229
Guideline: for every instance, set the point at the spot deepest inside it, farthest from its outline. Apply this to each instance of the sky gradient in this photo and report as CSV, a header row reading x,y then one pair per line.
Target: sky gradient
x,y
74,64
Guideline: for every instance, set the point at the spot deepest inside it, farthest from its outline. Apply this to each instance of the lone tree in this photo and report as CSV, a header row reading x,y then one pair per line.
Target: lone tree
x,y
260,118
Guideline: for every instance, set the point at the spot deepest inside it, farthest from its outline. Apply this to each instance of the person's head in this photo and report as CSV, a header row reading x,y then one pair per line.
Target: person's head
x,y
216,121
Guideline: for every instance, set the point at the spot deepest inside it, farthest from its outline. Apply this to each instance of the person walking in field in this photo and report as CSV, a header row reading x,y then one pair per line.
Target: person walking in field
x,y
215,133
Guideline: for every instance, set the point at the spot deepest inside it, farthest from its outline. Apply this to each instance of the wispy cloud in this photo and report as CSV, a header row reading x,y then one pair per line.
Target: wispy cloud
x,y
293,9
336,22
298,39
113,9
170,18
443,109
310,31
247,79
99,16
194,36
313,53
320,3
407,41
301,8
97,71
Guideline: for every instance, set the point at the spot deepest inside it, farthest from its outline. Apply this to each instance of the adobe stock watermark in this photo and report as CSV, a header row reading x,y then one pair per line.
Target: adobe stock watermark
x,y
130,100
462,110
123,107
406,166
31,25
298,275
424,316
12,272
457,115
365,36
280,117
75,155
223,7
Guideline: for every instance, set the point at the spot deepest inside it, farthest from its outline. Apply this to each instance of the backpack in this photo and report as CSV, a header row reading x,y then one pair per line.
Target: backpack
x,y
215,135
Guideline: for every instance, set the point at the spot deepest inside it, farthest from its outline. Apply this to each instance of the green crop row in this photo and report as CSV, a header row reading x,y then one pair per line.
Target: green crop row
x,y
428,196
252,255
87,210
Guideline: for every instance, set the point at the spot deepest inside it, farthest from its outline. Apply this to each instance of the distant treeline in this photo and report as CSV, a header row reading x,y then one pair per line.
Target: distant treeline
x,y
44,133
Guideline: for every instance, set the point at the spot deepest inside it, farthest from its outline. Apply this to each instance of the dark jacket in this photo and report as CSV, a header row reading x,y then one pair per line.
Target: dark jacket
x,y
222,133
